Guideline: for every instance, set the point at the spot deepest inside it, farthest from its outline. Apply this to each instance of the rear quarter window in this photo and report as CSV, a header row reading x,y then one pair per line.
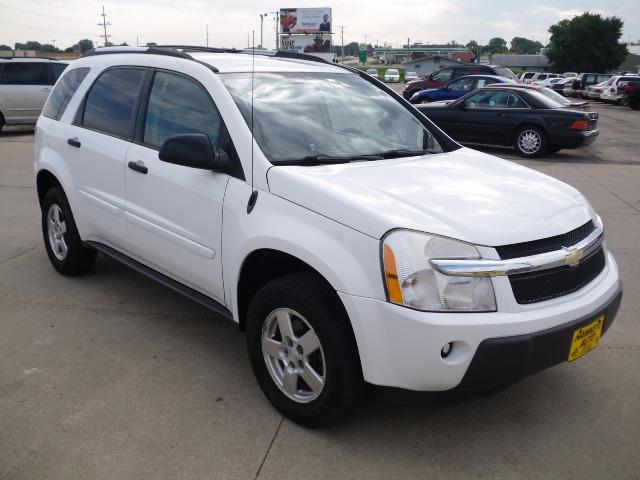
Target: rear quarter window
x,y
63,92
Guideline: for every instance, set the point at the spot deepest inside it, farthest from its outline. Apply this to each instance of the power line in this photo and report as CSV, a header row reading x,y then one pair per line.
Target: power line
x,y
66,19
39,29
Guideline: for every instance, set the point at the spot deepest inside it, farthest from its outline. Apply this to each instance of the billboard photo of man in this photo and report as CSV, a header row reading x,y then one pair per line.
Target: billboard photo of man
x,y
288,19
325,26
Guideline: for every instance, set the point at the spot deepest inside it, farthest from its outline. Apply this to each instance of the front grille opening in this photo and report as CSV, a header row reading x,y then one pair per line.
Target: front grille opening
x,y
544,245
553,283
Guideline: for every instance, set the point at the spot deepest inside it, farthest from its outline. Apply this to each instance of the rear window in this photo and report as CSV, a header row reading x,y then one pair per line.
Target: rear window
x,y
56,71
63,92
526,75
112,100
505,72
25,73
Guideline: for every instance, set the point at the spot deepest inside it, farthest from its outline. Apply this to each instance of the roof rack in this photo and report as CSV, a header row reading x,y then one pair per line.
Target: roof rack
x,y
30,58
181,52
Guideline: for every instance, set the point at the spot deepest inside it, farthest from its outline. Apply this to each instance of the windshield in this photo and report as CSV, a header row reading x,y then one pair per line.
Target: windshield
x,y
549,98
505,72
555,96
298,116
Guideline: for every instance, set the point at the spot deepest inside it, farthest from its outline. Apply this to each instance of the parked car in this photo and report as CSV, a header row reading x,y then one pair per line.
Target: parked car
x,y
570,74
559,87
358,245
538,78
508,115
441,77
410,76
526,77
610,92
633,94
549,82
457,88
586,79
392,75
25,84
373,72
593,92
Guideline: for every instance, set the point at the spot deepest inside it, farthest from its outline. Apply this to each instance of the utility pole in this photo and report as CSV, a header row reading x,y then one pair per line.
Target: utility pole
x,y
341,27
207,28
406,63
104,25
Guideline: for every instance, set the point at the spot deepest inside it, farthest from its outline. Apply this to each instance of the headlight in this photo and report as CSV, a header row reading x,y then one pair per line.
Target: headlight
x,y
411,280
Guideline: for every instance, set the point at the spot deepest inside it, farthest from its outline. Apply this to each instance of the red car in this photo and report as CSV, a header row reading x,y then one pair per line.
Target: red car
x,y
441,77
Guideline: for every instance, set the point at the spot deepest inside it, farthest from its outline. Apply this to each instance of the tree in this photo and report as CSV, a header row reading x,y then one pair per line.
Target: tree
x,y
47,47
151,44
5,47
30,45
526,46
85,45
472,45
68,50
586,43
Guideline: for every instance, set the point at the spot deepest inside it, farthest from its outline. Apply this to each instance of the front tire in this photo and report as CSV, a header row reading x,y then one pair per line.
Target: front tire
x,y
530,141
61,238
303,351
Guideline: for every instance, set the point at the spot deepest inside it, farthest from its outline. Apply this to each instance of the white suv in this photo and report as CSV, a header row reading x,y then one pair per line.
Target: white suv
x,y
352,240
25,84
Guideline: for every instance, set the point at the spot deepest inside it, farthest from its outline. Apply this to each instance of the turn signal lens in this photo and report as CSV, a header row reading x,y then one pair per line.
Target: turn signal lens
x,y
391,276
580,125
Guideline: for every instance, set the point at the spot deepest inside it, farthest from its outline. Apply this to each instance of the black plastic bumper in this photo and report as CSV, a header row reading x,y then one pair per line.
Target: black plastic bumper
x,y
500,361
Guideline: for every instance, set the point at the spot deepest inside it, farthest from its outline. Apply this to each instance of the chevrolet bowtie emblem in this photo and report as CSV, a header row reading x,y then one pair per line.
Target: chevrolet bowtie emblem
x,y
573,257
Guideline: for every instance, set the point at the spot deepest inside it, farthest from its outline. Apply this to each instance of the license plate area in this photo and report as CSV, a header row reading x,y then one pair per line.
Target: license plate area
x,y
586,338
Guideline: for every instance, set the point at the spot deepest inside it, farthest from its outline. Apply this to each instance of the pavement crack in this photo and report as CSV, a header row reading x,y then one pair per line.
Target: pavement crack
x,y
18,255
266,454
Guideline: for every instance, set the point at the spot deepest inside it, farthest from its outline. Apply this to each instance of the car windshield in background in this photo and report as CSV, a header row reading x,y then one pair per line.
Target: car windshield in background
x,y
506,73
315,116
548,100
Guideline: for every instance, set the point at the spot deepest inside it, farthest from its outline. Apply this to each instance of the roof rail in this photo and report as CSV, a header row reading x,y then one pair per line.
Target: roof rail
x,y
31,58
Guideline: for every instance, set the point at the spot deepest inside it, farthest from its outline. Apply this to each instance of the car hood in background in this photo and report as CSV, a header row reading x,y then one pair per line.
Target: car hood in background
x,y
462,194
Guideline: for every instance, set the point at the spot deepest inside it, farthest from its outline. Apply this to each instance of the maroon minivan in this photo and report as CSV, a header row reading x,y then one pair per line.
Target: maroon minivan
x,y
443,76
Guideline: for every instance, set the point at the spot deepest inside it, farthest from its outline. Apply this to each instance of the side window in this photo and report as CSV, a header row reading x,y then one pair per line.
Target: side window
x,y
111,103
179,105
460,72
443,75
63,92
488,99
56,71
516,102
25,73
462,85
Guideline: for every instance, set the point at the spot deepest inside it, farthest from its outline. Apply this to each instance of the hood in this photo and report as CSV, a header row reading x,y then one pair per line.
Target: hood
x,y
462,194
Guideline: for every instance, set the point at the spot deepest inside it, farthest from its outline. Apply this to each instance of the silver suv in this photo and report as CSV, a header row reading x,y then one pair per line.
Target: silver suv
x,y
25,84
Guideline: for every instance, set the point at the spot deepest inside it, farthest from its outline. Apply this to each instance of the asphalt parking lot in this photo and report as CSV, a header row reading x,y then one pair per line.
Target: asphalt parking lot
x,y
113,376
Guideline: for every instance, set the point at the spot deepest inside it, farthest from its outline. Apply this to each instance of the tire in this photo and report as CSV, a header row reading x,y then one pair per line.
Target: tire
x,y
425,100
61,239
311,307
530,141
554,149
2,123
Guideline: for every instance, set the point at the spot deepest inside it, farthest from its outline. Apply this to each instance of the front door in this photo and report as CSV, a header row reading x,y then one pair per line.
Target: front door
x,y
24,88
174,213
483,119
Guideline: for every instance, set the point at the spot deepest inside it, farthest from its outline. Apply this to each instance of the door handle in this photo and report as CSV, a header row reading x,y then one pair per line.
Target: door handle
x,y
74,142
138,167
46,89
500,115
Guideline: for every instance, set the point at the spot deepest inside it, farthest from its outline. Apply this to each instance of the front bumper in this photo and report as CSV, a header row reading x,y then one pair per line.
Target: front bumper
x,y
400,347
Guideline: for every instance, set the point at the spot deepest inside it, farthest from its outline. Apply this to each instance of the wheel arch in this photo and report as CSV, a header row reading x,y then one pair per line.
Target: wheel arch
x,y
45,181
264,265
529,122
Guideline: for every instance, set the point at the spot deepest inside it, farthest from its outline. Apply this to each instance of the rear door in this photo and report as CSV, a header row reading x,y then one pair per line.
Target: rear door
x,y
24,87
174,213
96,149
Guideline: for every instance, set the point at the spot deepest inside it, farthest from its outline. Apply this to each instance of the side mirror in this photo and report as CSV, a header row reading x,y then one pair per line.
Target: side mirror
x,y
194,150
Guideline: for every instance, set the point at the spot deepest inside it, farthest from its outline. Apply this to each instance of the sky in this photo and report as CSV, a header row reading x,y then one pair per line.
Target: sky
x,y
231,22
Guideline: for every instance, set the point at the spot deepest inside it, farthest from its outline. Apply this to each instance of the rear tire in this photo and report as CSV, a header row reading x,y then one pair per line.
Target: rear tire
x,y
425,100
61,238
313,383
530,141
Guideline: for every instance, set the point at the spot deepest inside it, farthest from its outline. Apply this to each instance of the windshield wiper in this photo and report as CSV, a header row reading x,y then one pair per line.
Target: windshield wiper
x,y
322,159
403,153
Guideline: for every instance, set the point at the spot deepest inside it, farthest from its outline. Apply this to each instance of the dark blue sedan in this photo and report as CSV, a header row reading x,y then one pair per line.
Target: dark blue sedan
x,y
457,88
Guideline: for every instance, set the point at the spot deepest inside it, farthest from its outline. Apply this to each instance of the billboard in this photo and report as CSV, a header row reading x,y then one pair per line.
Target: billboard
x,y
305,20
306,43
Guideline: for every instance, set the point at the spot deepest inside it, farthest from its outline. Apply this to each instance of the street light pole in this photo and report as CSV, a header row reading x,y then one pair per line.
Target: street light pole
x,y
262,15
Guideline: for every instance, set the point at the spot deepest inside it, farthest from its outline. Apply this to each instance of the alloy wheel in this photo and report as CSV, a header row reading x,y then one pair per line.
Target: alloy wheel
x,y
293,355
56,230
529,141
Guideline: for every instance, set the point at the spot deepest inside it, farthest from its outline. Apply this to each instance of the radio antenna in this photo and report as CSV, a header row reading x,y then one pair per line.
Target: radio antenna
x,y
254,193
